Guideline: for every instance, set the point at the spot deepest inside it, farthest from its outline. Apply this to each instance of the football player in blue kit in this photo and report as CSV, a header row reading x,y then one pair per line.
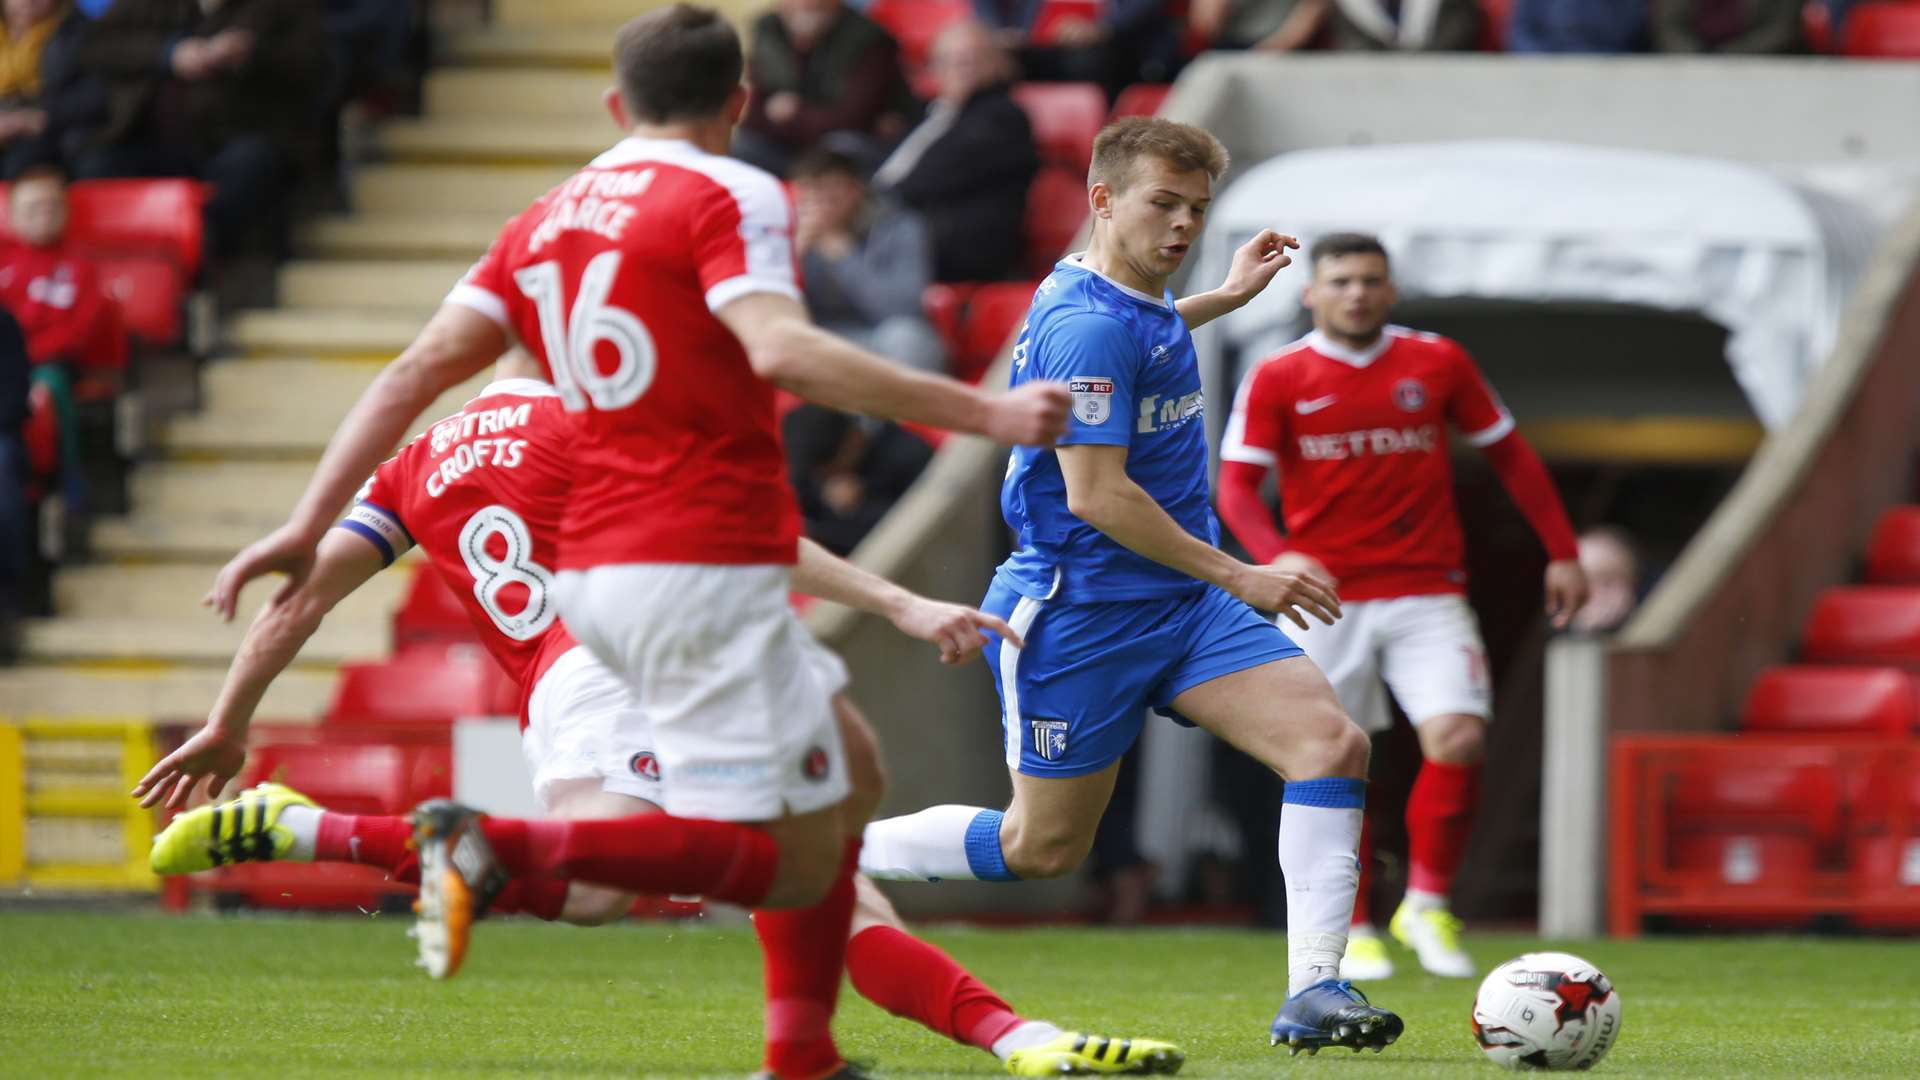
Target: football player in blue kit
x,y
1125,600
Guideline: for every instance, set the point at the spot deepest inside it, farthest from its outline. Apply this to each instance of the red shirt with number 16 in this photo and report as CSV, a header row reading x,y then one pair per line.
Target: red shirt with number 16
x,y
612,280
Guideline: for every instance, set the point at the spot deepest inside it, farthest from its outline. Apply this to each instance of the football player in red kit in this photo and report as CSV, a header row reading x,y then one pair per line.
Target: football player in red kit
x,y
1355,416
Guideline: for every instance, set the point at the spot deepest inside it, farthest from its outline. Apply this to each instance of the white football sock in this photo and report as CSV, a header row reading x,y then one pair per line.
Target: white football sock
x,y
1417,901
1029,1033
1320,856
940,843
304,823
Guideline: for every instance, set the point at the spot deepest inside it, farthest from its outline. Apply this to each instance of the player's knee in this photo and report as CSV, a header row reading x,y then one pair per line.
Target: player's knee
x,y
592,905
1044,853
866,773
1454,740
1332,746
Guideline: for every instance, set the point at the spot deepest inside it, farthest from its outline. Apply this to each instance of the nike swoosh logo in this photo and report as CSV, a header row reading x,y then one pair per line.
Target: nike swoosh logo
x,y
1314,406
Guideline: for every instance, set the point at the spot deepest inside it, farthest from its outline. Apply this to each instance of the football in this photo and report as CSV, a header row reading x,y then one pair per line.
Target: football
x,y
1546,1010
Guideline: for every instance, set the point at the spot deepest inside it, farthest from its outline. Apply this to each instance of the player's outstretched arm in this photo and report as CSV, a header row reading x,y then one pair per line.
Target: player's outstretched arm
x,y
1527,481
454,345
787,350
957,630
1254,265
218,750
1100,493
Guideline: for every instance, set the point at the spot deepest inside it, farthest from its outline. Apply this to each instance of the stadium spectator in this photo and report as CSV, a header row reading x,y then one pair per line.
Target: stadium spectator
x,y
848,471
966,167
1577,26
39,46
865,261
1728,26
1406,25
223,90
54,291
818,66
1130,41
14,512
1263,25
1609,557
368,41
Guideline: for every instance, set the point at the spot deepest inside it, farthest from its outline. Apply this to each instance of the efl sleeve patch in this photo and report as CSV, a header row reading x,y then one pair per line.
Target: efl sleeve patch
x,y
1092,398
379,527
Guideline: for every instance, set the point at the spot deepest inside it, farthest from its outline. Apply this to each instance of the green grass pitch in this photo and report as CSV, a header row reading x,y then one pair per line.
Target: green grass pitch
x,y
156,996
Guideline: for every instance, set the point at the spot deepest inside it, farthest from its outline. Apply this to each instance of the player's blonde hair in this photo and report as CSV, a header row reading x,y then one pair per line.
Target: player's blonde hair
x,y
1121,144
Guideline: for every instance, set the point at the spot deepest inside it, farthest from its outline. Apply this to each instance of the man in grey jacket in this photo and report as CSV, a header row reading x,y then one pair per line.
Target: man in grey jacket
x,y
865,261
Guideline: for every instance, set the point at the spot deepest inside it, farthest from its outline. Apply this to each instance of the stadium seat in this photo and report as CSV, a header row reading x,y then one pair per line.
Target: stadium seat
x,y
355,778
1866,624
992,316
1893,553
1817,24
1065,118
1885,30
423,686
151,293
1884,847
1046,24
151,216
1791,794
1056,207
916,23
1747,860
945,304
1833,700
431,612
1494,17
1140,99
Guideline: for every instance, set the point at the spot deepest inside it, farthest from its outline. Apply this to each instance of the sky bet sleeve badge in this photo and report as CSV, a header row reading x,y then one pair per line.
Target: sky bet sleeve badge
x,y
1092,398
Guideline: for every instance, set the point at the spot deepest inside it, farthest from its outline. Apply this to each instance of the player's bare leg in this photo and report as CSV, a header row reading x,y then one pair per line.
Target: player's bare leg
x,y
1284,714
1439,823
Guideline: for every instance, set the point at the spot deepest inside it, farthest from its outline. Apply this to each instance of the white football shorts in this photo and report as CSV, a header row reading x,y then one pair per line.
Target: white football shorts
x,y
728,698
1425,649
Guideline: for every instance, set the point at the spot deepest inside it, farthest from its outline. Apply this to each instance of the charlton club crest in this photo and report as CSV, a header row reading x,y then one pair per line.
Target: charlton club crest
x,y
1410,395
645,765
815,765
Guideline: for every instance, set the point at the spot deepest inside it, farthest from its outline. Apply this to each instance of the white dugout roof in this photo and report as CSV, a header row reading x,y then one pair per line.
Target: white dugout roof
x,y
1770,261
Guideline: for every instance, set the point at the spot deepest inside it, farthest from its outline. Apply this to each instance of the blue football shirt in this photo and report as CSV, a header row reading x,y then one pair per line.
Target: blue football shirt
x,y
1129,361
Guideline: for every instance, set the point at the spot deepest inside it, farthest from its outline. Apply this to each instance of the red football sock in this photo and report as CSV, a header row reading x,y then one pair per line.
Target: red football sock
x,y
913,979
1363,907
542,898
645,853
375,840
805,950
1439,820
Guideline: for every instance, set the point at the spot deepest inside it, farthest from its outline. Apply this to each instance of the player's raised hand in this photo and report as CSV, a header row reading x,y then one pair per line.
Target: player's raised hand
x,y
1257,261
1031,414
1295,595
211,754
1567,591
285,550
957,630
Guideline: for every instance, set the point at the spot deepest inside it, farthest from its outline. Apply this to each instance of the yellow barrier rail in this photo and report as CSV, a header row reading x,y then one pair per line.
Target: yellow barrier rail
x,y
59,775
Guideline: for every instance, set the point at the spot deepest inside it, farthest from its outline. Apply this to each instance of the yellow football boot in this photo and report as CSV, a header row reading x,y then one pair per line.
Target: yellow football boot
x,y
247,829
1075,1054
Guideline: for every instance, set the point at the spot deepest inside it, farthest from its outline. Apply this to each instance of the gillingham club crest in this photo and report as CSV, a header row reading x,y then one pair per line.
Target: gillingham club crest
x,y
1049,739
1092,398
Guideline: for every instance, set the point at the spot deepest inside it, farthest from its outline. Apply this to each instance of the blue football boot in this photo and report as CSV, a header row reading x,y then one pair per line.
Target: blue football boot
x,y
1333,1013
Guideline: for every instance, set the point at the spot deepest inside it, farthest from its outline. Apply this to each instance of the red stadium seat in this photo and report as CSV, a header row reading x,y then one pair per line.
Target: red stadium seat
x,y
353,779
916,23
1494,17
1140,99
1885,30
1884,851
431,612
1835,700
1046,24
1866,624
151,292
151,216
1764,860
1817,24
992,317
1065,118
1056,207
423,686
1789,794
945,305
1893,554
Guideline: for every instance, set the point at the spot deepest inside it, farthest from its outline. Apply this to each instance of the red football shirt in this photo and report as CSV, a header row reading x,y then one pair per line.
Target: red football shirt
x,y
482,492
611,279
1360,439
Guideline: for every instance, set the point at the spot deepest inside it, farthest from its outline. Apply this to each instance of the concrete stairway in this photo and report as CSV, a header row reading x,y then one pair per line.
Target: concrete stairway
x,y
513,111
